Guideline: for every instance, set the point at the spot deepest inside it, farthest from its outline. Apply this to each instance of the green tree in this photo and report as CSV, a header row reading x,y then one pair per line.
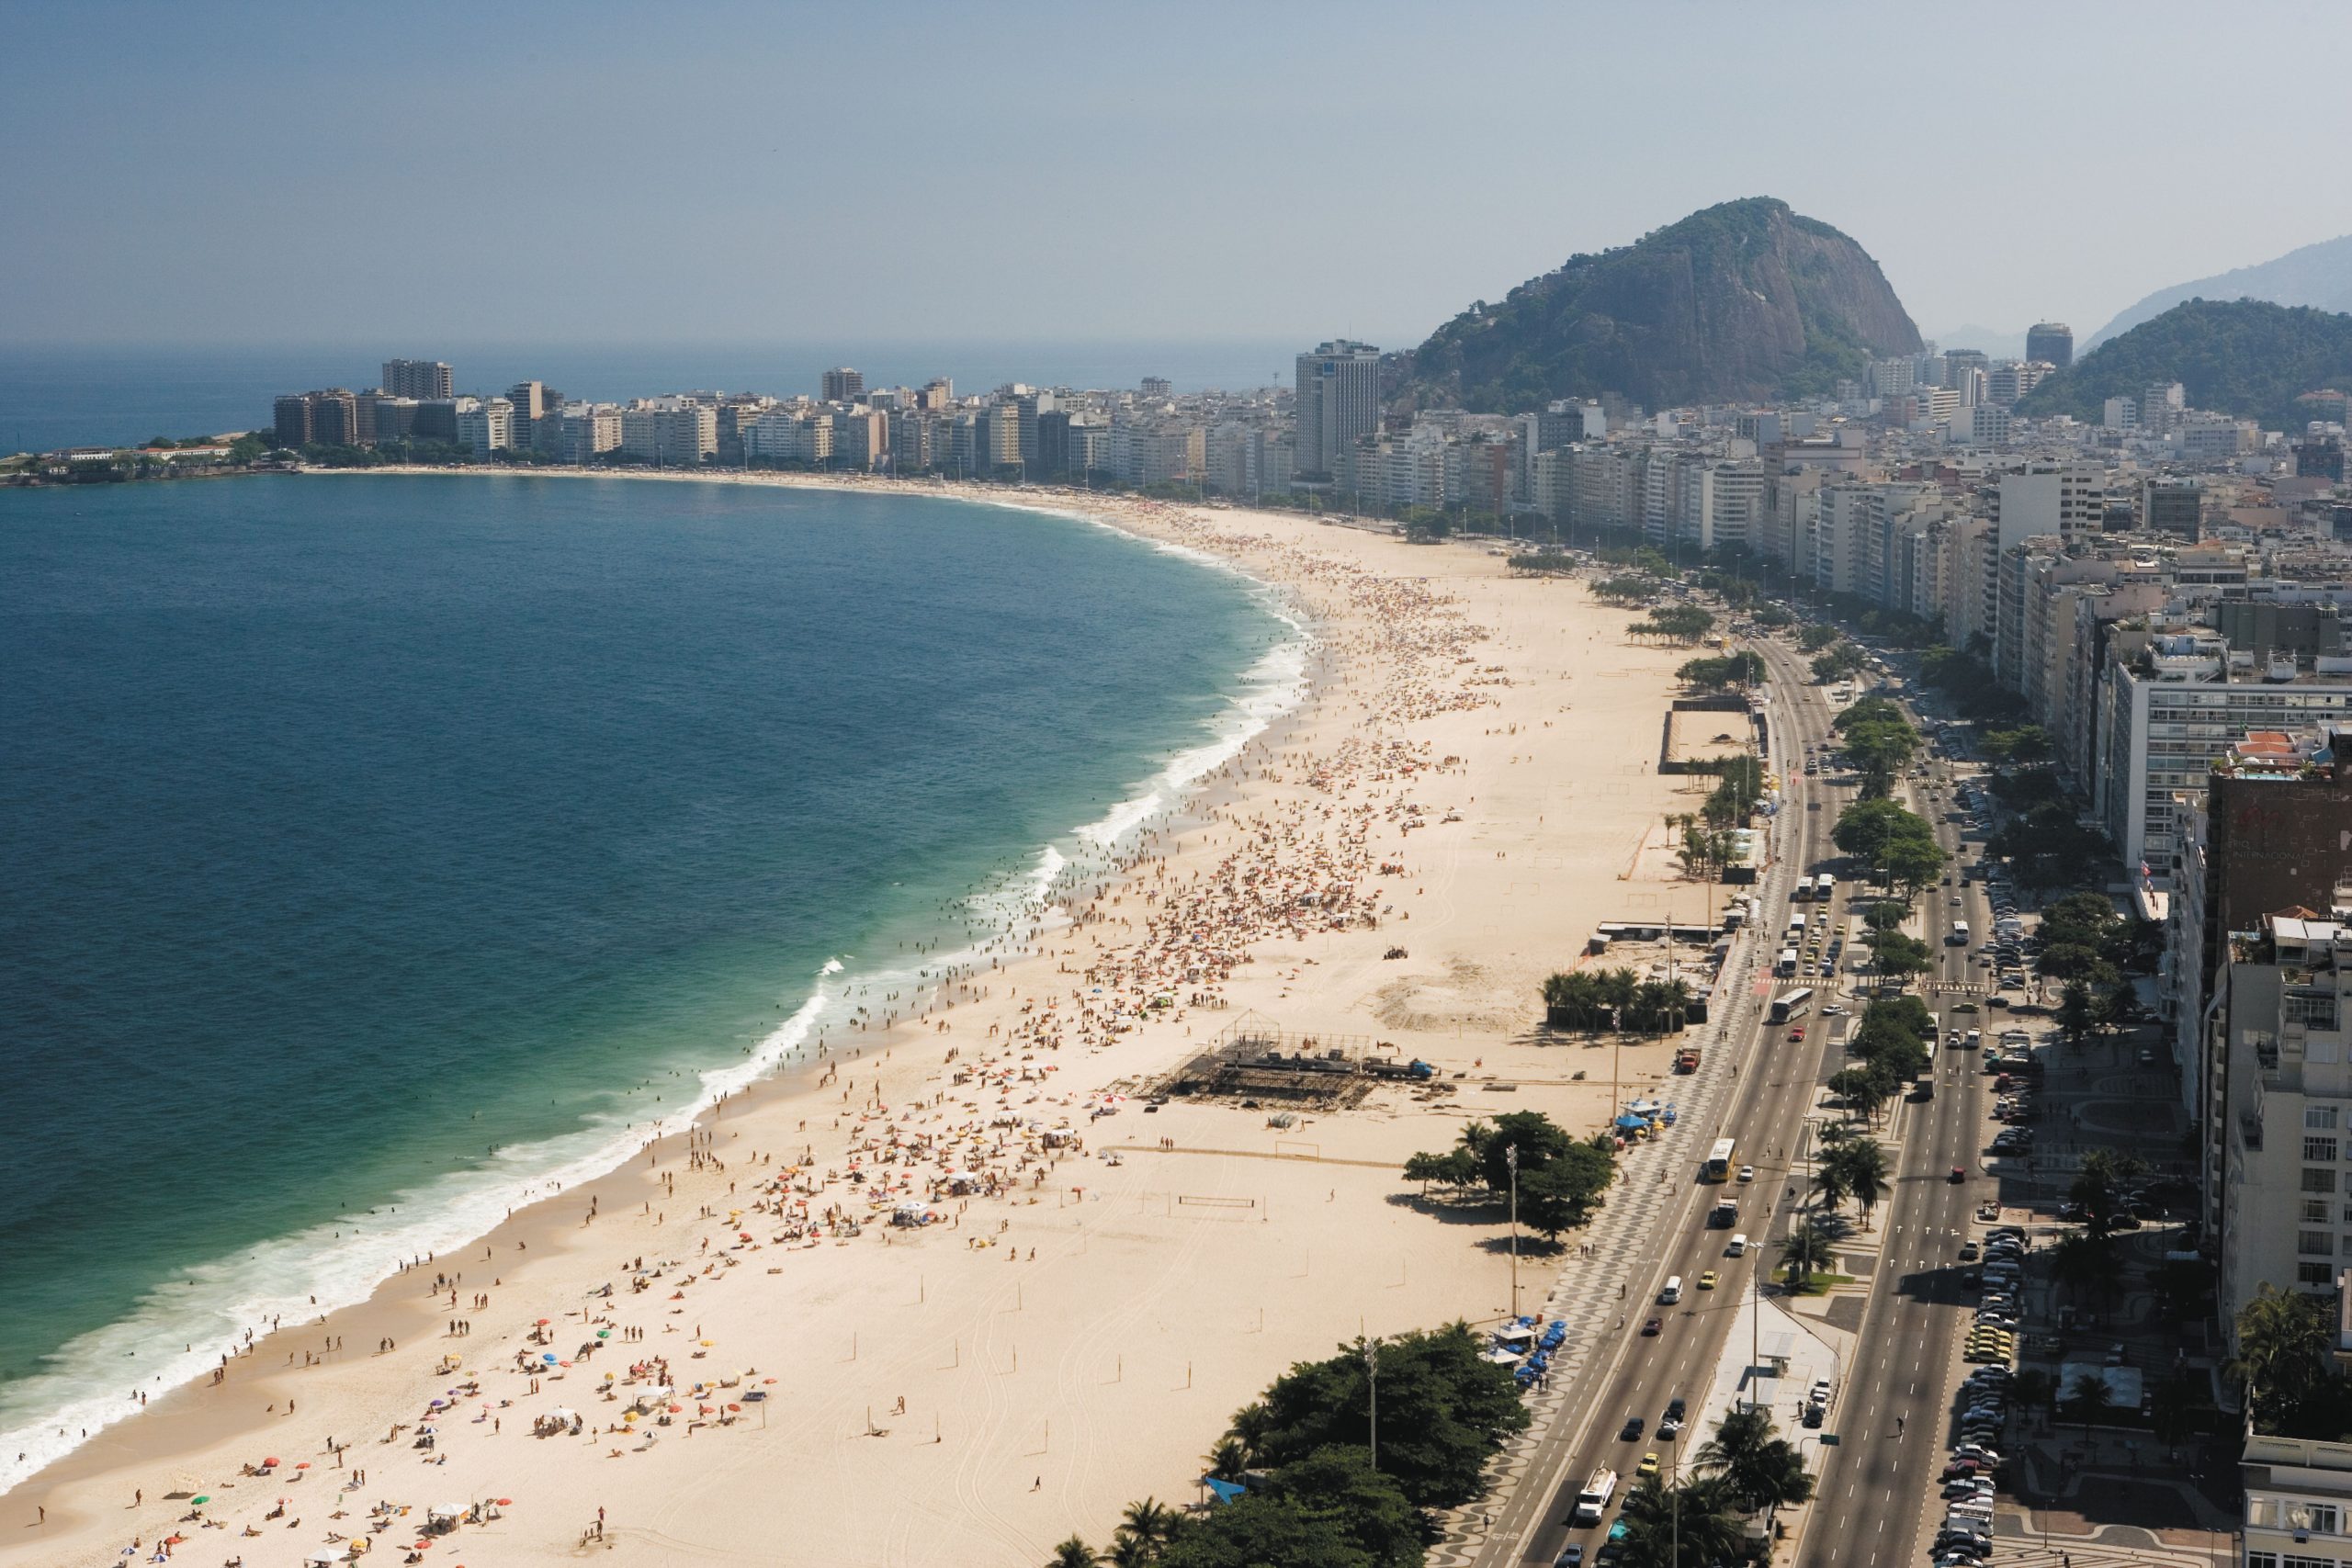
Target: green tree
x,y
1763,1470
1804,1252
1819,638
1339,1485
1444,1411
1864,1087
2078,1013
2088,1399
1072,1553
1150,1523
1228,1459
1898,957
1861,1163
2283,1343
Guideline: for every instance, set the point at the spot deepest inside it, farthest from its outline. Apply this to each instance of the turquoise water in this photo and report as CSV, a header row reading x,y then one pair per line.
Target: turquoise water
x,y
407,840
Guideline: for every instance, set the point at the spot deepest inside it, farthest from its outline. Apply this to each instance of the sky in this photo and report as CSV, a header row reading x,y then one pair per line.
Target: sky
x,y
202,174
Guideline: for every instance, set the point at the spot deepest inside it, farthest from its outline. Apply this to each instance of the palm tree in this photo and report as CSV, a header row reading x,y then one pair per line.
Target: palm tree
x,y
1129,1551
1151,1522
2283,1343
1251,1425
1803,1251
1863,1164
1829,1180
2083,1264
2087,1399
1761,1469
1228,1459
1071,1553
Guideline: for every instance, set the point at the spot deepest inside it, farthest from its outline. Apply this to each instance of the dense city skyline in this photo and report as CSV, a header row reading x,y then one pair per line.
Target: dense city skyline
x,y
816,180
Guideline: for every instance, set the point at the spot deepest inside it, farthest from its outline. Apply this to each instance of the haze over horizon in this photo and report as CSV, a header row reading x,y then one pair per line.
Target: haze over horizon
x,y
1083,175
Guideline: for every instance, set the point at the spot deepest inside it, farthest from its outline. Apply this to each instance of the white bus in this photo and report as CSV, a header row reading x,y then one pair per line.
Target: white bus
x,y
1593,1501
1959,937
1794,1004
1787,965
1825,888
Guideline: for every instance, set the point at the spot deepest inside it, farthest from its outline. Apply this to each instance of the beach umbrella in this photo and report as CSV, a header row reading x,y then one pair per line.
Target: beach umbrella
x,y
268,1462
604,1334
545,1321
202,1500
734,1407
303,1465
710,1342
506,1502
546,1355
767,1380
677,1410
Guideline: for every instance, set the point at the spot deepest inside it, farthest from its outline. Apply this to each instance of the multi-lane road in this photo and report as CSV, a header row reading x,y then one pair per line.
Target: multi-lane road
x,y
1779,1078
1876,1486
1876,1505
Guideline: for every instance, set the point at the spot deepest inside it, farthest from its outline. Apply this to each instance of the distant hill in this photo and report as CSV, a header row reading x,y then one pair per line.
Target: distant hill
x,y
2244,357
1996,343
2319,275
1745,300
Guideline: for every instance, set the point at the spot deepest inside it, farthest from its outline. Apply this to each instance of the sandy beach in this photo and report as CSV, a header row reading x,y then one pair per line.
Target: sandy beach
x,y
726,1349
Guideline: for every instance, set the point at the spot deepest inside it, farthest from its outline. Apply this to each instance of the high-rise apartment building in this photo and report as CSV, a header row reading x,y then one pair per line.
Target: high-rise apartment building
x,y
530,401
487,426
419,378
291,426
1339,402
2281,1019
842,385
2052,343
2170,709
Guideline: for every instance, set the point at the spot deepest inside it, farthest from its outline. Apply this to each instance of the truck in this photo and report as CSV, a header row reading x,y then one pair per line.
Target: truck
x,y
1686,1059
1593,1501
1724,1215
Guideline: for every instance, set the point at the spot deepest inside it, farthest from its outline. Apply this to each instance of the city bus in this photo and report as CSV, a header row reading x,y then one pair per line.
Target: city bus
x,y
1796,1004
1825,888
1787,963
1959,937
1721,1160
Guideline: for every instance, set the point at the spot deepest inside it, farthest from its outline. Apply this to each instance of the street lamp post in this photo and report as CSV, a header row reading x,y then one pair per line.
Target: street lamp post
x,y
1372,1378
1511,1159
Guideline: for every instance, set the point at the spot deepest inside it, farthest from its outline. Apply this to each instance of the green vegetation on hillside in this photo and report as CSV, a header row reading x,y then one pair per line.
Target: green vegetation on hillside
x,y
2241,358
1743,299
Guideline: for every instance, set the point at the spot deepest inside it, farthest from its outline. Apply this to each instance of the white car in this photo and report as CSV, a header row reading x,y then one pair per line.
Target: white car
x,y
1747,1173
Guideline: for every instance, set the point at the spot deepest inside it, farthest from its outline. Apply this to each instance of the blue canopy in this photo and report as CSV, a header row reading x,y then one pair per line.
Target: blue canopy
x,y
1632,1120
1223,1491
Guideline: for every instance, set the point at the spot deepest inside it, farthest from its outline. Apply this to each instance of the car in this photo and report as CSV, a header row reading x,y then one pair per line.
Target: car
x,y
1815,1415
1571,1556
1959,1174
1669,1428
1676,1408
1647,1470
1988,1211
1833,1009
1797,1033
1631,1430
1819,1392
1707,1280
1747,1173
2147,1057
1968,1252
1651,1325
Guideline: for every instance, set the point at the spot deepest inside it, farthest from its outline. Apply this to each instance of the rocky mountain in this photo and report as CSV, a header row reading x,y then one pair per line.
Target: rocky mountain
x,y
2319,275
1745,300
2245,357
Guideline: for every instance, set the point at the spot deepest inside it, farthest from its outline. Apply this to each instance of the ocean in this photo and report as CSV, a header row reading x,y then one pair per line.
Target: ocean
x,y
54,397
381,849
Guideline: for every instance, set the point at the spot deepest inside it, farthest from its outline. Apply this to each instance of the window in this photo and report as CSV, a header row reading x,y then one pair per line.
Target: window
x,y
2292,1561
2319,1148
2323,1517
2318,1118
2316,1244
2313,1274
2314,1211
2261,1560
2319,1178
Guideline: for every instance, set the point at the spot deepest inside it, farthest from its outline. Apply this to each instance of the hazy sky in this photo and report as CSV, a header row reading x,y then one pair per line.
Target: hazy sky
x,y
412,172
